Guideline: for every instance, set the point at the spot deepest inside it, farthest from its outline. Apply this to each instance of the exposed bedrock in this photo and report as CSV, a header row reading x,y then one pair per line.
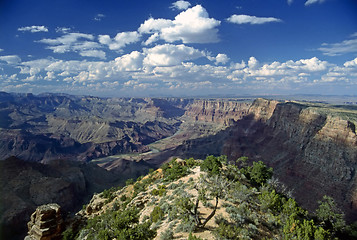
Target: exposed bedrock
x,y
313,152
313,149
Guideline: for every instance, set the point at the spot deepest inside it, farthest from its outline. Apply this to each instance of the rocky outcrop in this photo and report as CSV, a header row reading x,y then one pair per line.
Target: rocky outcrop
x,y
218,111
25,185
46,223
313,149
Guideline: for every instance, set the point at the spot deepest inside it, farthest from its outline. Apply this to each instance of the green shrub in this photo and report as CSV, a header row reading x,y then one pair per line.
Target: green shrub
x,y
191,162
173,170
119,224
193,237
167,235
330,215
258,173
123,198
157,214
270,200
68,234
129,181
212,165
160,191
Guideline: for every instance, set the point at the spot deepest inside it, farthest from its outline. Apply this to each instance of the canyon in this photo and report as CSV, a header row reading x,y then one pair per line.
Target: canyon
x,y
73,146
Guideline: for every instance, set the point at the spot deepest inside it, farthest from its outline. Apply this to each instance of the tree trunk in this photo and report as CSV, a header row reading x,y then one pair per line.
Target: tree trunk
x,y
211,215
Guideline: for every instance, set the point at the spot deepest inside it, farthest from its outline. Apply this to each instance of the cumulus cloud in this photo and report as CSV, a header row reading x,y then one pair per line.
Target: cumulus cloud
x,y
10,59
33,29
246,19
93,53
170,67
67,42
190,26
129,62
120,40
155,25
75,42
219,59
309,2
180,5
344,47
168,55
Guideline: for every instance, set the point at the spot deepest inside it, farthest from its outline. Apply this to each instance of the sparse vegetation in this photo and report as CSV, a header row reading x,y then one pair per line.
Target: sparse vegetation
x,y
239,201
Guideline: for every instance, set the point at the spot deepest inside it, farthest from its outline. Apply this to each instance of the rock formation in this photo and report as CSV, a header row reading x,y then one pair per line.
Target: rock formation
x,y
46,223
217,110
312,149
25,185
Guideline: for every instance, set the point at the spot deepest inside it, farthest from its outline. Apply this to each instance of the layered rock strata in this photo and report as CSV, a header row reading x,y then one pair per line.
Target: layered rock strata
x,y
46,223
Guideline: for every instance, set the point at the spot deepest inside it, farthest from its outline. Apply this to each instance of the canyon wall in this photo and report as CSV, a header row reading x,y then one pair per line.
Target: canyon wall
x,y
313,149
221,111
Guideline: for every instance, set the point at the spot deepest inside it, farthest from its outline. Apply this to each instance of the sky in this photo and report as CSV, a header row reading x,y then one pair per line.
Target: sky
x,y
139,48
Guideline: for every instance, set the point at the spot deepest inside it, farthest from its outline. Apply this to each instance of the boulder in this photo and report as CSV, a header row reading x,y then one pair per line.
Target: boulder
x,y
46,223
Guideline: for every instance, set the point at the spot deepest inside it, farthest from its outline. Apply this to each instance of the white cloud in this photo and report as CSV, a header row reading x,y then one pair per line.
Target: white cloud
x,y
93,53
180,5
99,17
352,63
309,2
154,25
10,59
63,29
1,49
33,29
290,2
66,42
253,63
219,59
190,26
153,38
246,19
75,42
129,62
168,55
120,40
344,47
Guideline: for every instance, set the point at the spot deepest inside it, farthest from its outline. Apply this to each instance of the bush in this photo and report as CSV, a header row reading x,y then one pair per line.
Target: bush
x,y
157,214
193,237
329,215
258,173
160,191
191,162
270,200
173,170
119,224
129,181
212,165
68,234
167,235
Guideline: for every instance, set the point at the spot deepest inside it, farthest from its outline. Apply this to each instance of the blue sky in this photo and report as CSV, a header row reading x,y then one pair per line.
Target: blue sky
x,y
179,48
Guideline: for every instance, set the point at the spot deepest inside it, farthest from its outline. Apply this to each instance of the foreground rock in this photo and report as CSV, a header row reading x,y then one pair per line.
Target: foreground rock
x,y
26,185
46,223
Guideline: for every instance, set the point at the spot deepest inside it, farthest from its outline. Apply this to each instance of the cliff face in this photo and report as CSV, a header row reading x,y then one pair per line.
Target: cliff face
x,y
313,150
217,111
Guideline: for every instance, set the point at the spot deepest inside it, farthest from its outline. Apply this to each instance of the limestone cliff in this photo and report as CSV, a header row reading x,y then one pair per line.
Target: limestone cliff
x,y
313,148
217,110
